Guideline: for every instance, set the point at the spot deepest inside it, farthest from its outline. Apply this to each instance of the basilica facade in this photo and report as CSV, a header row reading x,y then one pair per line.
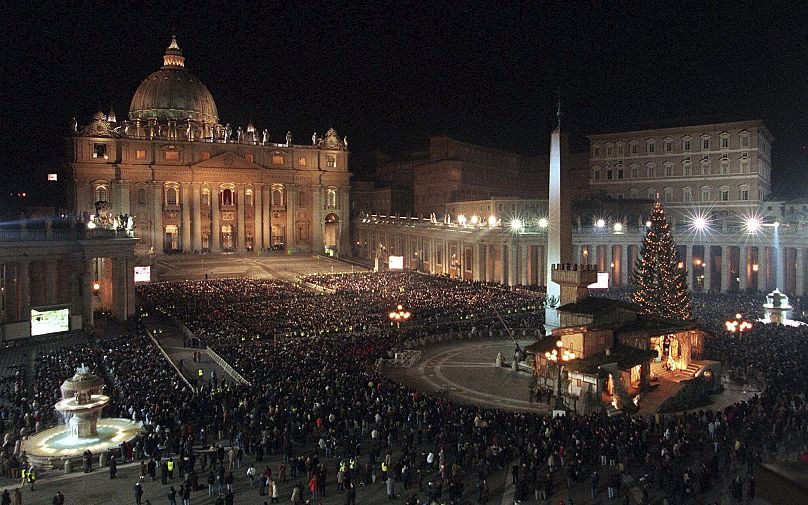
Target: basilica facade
x,y
193,184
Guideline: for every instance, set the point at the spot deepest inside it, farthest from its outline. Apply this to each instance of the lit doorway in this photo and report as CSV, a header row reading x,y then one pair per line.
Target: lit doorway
x,y
227,237
171,240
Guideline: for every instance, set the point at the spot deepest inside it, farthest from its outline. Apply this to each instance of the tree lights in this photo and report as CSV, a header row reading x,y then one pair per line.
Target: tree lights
x,y
659,280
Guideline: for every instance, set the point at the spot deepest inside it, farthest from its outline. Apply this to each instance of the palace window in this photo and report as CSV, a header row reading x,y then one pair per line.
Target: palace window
x,y
277,159
668,170
744,140
100,151
687,196
724,194
744,166
634,149
651,170
619,173
744,191
651,147
651,193
597,152
330,161
248,198
705,144
668,195
686,145
140,154
597,175
705,194
668,146
724,142
620,149
301,161
635,172
608,150
609,174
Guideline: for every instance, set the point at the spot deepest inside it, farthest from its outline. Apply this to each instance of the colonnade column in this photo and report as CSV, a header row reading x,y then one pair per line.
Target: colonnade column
x,y
503,275
215,225
258,219
478,264
763,269
185,190
708,268
607,262
522,264
687,263
799,284
542,259
724,277
196,219
266,217
52,280
780,271
241,202
24,290
623,265
743,262
158,235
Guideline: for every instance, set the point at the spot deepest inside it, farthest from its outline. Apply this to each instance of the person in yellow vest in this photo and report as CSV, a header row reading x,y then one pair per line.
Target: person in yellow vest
x,y
170,467
31,477
384,471
24,475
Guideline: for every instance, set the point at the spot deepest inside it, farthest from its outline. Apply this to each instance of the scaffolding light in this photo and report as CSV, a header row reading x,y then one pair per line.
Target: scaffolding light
x,y
618,227
543,223
600,223
516,224
492,221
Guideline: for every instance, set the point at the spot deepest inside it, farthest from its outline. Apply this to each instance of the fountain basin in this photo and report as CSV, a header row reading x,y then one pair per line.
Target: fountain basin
x,y
52,447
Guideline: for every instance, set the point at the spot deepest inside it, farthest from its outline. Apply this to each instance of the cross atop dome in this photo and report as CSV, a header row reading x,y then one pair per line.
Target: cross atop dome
x,y
173,57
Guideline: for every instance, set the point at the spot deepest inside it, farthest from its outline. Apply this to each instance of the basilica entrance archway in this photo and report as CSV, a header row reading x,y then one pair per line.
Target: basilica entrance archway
x,y
227,237
331,233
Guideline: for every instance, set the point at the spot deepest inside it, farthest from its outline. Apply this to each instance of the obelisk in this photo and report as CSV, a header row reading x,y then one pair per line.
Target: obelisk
x,y
559,229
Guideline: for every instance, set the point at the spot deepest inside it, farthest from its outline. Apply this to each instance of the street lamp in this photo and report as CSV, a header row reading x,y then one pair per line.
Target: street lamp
x,y
398,315
559,355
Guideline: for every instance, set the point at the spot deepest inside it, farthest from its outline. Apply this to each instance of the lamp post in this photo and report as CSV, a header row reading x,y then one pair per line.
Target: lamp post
x,y
398,315
559,355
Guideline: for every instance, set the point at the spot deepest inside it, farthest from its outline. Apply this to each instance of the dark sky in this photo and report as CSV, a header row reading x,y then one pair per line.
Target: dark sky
x,y
390,74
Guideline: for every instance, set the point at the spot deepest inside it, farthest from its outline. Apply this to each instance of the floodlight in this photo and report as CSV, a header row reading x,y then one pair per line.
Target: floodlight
x,y
600,223
543,223
753,224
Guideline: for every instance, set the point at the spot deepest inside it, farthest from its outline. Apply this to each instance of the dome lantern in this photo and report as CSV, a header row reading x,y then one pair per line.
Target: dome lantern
x,y
173,57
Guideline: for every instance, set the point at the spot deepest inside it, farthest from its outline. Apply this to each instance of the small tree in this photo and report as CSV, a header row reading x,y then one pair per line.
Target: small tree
x,y
659,283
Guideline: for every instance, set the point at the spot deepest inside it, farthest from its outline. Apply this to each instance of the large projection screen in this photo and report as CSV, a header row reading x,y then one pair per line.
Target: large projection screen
x,y
49,321
142,274
395,262
603,281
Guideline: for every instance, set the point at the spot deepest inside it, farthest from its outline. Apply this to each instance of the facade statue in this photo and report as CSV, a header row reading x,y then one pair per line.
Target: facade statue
x,y
228,130
239,134
288,138
345,141
75,125
314,139
266,137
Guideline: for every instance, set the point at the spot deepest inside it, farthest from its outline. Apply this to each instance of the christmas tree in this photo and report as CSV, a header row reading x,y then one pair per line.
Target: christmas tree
x,y
659,281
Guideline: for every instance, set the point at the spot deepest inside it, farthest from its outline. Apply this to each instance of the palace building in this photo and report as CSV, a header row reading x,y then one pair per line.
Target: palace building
x,y
193,184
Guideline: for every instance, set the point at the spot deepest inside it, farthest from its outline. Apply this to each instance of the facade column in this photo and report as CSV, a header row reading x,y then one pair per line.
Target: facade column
x,y
708,268
24,290
266,217
318,220
478,264
52,280
503,275
215,224
196,219
87,294
725,269
522,263
241,201
780,270
607,263
743,262
542,260
158,234
800,271
291,211
258,218
185,191
122,282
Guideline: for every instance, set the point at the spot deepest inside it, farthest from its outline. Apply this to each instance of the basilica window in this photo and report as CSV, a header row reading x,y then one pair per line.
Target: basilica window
x,y
141,196
140,154
206,197
278,159
330,161
248,198
204,155
171,155
101,194
250,157
277,196
301,161
172,196
331,198
100,151
227,196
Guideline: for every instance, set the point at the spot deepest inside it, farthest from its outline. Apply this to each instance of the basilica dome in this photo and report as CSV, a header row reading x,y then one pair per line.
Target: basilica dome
x,y
173,93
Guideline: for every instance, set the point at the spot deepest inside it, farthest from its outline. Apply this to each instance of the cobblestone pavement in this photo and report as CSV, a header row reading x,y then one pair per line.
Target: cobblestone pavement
x,y
275,265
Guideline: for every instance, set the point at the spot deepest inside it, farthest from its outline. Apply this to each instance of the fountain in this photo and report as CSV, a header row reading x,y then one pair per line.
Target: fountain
x,y
80,406
776,309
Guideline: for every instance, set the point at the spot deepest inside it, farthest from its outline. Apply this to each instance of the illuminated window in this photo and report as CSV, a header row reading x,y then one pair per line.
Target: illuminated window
x,y
250,157
100,151
248,197
171,155
140,154
331,198
206,197
330,161
301,161
204,155
277,160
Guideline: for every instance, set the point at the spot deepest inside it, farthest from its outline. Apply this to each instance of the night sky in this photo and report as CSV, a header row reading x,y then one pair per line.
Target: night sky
x,y
390,75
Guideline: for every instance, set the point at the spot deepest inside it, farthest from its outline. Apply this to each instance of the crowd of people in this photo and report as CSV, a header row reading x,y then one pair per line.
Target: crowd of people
x,y
321,415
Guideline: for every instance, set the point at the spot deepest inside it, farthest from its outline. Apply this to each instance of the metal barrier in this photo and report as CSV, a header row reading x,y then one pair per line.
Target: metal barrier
x,y
165,355
226,366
